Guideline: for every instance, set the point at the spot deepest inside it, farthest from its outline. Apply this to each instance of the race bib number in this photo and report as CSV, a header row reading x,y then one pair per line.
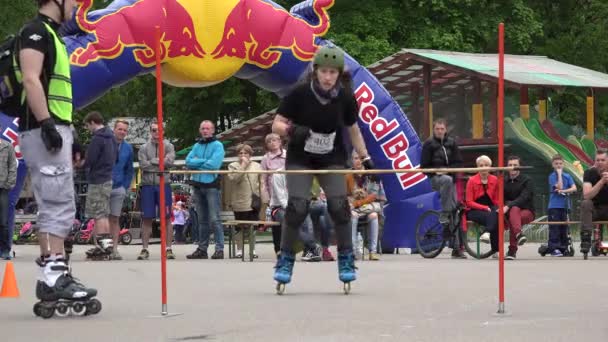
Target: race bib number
x,y
320,143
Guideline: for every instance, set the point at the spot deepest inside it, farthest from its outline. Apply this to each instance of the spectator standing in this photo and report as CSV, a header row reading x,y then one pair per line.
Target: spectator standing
x,y
150,190
99,162
122,176
207,154
8,179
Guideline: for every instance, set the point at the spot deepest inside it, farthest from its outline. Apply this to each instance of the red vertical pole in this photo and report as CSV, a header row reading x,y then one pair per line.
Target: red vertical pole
x,y
161,167
501,155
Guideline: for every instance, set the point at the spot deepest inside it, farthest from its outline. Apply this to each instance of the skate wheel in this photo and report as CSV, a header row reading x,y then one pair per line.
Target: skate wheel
x,y
79,309
46,312
62,310
37,309
346,288
280,288
93,307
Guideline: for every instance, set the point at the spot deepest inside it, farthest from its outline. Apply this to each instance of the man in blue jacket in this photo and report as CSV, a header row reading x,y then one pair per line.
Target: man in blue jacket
x,y
122,175
100,160
207,154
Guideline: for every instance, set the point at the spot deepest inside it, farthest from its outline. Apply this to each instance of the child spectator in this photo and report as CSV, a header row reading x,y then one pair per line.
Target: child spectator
x,y
561,185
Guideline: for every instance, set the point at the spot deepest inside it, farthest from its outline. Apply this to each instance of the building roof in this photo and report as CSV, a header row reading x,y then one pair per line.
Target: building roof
x,y
453,70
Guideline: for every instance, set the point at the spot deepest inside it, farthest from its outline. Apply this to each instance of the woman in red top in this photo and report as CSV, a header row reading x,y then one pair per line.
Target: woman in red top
x,y
482,200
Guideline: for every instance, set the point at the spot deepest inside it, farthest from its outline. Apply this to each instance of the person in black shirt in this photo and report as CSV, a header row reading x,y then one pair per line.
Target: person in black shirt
x,y
441,151
519,205
595,197
314,116
46,144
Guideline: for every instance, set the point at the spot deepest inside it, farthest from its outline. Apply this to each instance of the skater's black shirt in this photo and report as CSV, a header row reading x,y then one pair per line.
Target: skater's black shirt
x,y
303,108
593,176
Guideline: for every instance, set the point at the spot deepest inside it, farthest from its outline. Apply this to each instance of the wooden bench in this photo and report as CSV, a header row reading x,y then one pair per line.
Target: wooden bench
x,y
228,220
23,218
565,222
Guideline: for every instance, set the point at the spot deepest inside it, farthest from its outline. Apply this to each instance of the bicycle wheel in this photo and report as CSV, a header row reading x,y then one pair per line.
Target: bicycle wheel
x,y
474,247
429,234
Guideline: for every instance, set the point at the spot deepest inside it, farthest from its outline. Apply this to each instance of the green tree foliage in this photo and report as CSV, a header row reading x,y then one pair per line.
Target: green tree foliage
x,y
573,31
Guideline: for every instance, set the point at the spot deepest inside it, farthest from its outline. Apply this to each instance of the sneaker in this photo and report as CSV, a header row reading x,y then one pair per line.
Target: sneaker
x,y
143,255
374,257
326,255
485,237
521,239
198,254
511,255
170,255
557,253
316,254
239,254
458,254
6,255
218,255
255,255
307,256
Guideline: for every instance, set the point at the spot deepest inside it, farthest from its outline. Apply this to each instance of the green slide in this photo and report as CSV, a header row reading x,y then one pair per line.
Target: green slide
x,y
588,146
517,131
537,131
572,139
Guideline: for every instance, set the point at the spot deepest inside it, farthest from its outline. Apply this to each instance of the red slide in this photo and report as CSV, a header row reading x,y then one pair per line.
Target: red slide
x,y
552,133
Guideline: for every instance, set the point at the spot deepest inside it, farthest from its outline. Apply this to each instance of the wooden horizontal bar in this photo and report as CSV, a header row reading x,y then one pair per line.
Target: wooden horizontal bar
x,y
350,171
565,222
237,222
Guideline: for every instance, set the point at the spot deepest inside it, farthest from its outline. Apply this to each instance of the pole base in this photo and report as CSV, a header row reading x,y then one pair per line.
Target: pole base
x,y
165,313
501,308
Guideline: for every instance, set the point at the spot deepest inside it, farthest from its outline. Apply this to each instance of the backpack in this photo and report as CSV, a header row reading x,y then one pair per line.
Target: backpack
x,y
10,89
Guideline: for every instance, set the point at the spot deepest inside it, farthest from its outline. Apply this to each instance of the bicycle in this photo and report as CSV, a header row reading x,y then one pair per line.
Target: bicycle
x,y
431,238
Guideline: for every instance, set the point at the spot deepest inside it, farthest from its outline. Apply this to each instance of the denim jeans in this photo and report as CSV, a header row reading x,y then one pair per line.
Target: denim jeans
x,y
558,233
208,209
321,221
372,232
5,239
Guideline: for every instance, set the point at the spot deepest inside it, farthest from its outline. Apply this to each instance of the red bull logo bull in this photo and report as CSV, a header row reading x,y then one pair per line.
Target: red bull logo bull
x,y
125,28
257,31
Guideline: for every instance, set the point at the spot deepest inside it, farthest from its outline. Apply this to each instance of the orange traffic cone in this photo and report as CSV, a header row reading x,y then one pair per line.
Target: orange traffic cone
x,y
9,285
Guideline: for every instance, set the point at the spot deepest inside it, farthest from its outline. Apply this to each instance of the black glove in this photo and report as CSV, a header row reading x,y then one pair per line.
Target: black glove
x,y
368,164
51,138
299,133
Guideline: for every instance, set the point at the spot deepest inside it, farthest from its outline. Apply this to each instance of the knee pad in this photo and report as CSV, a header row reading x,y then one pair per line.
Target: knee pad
x,y
297,210
339,210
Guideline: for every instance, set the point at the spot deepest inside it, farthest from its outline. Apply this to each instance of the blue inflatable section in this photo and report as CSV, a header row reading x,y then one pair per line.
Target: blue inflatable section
x,y
390,138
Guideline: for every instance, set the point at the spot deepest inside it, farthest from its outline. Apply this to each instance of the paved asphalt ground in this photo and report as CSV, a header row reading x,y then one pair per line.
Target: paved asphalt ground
x,y
401,298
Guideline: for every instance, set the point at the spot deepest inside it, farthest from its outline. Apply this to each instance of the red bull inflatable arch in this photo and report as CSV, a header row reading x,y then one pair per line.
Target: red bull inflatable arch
x,y
205,42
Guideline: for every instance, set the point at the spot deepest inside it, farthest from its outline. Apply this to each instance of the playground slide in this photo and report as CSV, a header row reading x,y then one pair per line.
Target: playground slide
x,y
517,131
574,141
552,133
537,131
588,146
